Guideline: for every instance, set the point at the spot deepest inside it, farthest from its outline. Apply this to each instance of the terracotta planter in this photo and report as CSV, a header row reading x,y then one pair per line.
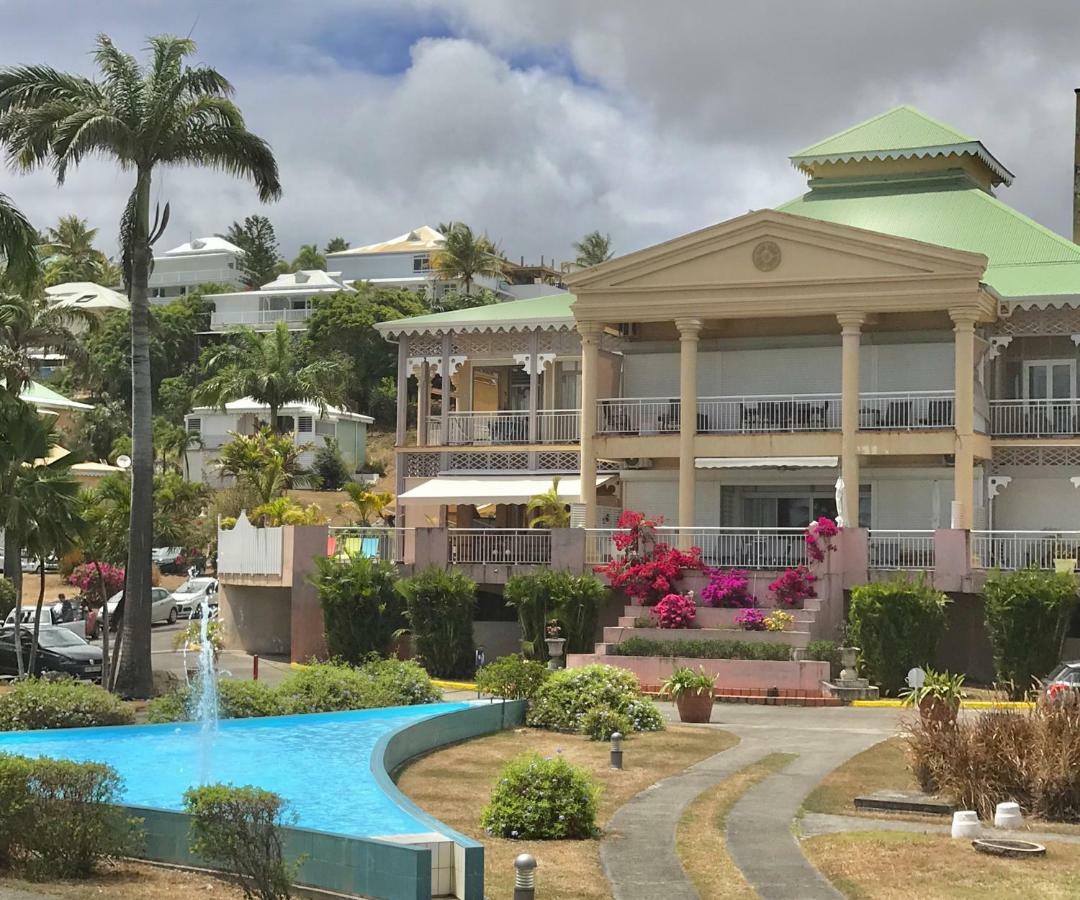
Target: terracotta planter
x,y
694,707
936,711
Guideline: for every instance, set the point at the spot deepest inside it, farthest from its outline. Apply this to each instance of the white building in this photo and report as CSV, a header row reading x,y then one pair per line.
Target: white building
x,y
211,427
206,260
288,298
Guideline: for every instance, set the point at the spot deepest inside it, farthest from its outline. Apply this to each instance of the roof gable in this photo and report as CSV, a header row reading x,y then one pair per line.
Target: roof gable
x,y
550,311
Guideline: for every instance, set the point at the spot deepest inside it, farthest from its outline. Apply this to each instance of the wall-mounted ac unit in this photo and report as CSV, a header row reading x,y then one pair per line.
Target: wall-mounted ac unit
x,y
639,462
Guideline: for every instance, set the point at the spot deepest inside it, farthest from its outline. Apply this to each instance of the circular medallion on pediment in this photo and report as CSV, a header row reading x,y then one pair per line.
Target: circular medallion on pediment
x,y
766,256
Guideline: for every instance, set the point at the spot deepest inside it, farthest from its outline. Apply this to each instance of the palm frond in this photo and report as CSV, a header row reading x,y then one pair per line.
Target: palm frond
x,y
18,240
234,151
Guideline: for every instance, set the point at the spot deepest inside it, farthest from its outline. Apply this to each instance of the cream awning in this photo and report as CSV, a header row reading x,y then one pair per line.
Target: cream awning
x,y
486,489
767,462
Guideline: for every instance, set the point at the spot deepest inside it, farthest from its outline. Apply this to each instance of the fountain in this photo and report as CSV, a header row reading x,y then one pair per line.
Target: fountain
x,y
205,706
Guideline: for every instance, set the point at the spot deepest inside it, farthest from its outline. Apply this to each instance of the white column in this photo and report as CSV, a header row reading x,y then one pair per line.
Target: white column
x,y
534,386
402,391
689,332
964,416
850,332
590,365
423,404
447,390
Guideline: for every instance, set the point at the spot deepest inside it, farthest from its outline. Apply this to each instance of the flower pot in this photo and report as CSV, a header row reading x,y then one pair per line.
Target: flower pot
x,y
555,652
939,711
694,707
848,658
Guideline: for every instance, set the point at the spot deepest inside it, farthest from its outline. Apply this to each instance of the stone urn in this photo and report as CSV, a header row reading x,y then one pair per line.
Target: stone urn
x,y
555,647
695,708
848,658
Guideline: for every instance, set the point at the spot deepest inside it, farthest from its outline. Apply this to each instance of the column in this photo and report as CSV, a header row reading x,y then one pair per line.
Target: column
x,y
447,391
964,413
402,390
423,404
850,333
689,332
590,370
534,386
465,387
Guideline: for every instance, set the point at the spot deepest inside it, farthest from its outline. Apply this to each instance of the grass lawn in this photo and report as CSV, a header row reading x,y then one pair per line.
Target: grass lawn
x,y
454,786
130,881
888,865
700,838
882,767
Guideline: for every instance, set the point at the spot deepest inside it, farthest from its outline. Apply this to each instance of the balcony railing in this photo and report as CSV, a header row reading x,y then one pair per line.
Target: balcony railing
x,y
500,546
372,542
1034,418
772,412
637,415
559,426
1023,549
740,548
554,426
907,549
906,410
247,550
253,318
162,278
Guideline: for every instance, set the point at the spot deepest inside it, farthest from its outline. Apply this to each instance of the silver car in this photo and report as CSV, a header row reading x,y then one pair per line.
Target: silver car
x,y
162,608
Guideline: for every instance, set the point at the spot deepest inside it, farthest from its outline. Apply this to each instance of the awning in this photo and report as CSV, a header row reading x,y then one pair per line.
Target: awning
x,y
485,489
767,462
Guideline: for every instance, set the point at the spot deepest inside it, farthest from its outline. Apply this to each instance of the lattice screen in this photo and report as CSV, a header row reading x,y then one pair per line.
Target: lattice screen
x,y
1037,456
1040,322
421,465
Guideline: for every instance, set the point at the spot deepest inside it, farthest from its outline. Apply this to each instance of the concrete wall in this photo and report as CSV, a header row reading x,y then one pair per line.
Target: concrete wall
x,y
1038,497
257,619
651,671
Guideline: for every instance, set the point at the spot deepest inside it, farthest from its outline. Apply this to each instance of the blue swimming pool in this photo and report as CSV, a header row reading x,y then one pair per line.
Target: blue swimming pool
x,y
321,764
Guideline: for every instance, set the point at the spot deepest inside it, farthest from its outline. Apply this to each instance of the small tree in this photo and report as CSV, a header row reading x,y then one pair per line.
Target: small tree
x,y
365,505
328,467
265,462
548,509
439,607
362,608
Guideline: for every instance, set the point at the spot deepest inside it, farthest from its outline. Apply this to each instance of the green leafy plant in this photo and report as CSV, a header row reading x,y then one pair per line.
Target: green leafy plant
x,y
548,509
897,625
685,680
701,649
542,799
331,687
1027,616
512,677
236,700
362,607
7,597
938,686
572,600
190,638
240,828
439,607
601,722
565,698
826,651
38,703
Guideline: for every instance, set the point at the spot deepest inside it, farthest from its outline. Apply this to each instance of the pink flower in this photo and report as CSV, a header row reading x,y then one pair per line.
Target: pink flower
x,y
751,620
794,586
729,588
675,611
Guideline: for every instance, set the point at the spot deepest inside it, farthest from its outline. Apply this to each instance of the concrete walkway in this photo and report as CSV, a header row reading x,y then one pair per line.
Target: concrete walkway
x,y
818,823
638,852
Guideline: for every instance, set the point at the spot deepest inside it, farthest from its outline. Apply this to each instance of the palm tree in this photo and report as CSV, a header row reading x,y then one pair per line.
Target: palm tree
x,y
336,245
593,249
364,504
165,113
267,368
71,245
309,257
467,256
267,463
18,242
107,272
29,324
550,509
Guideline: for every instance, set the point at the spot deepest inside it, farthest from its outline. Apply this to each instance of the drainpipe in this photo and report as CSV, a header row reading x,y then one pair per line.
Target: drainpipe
x,y
1076,172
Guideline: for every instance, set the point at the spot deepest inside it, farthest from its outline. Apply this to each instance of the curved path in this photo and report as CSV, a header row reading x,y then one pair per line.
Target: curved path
x,y
638,852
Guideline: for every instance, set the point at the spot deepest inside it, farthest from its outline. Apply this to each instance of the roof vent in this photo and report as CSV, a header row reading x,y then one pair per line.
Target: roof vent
x,y
198,244
301,277
413,236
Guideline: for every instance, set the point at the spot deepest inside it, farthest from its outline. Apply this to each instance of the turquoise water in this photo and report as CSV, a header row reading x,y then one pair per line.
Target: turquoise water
x,y
321,764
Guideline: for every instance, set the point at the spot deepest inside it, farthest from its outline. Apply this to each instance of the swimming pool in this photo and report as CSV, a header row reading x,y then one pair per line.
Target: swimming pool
x,y
320,763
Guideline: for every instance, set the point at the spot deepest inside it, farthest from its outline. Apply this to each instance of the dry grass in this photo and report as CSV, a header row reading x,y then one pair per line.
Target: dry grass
x,y
454,785
700,838
130,881
897,866
883,767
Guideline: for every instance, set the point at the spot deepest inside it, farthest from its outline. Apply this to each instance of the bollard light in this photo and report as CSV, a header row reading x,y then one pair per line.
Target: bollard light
x,y
525,877
616,750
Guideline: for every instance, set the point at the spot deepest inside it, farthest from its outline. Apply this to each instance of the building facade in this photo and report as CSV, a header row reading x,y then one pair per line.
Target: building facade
x,y
289,298
206,260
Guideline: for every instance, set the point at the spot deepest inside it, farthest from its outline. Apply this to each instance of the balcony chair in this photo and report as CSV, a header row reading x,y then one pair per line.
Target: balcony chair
x,y
939,413
898,414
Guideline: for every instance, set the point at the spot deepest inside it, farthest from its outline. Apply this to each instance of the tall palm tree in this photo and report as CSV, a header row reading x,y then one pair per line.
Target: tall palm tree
x,y
70,243
466,257
336,245
364,504
18,242
550,509
593,249
309,257
164,113
266,367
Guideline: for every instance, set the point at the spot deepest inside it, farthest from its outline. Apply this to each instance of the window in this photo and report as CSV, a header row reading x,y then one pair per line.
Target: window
x,y
194,426
306,424
285,424
421,263
323,427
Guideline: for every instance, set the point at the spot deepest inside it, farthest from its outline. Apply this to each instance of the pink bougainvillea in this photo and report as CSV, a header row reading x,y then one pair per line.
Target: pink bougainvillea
x,y
819,535
728,588
647,569
86,577
751,620
675,611
794,587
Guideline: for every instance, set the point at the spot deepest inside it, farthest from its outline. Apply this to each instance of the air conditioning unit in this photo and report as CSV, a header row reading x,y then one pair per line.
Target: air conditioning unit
x,y
628,329
639,462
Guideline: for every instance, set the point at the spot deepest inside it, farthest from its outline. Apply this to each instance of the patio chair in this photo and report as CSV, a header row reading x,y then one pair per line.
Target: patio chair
x,y
369,547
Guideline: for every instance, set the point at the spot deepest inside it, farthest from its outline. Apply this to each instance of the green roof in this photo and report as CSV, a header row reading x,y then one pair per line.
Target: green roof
x,y
899,133
36,394
536,312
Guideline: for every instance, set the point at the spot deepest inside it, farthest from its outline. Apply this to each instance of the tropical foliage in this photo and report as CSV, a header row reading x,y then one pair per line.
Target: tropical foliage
x,y
255,237
593,249
362,607
549,510
439,609
467,256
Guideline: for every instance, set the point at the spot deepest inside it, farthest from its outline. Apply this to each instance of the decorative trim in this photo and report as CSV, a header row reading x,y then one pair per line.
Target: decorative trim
x,y
544,360
998,342
995,484
456,362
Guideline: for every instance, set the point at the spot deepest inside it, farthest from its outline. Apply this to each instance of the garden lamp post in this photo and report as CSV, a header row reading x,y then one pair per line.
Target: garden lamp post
x,y
525,877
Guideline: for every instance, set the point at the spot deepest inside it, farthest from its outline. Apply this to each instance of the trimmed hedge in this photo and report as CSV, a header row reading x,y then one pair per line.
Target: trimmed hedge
x,y
702,649
236,700
569,695
61,703
362,607
512,678
542,799
439,607
826,651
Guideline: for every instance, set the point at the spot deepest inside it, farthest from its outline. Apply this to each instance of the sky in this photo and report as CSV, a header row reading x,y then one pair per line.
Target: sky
x,y
537,121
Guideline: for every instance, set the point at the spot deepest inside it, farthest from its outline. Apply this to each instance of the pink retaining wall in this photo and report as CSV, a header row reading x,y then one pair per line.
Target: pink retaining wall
x,y
652,671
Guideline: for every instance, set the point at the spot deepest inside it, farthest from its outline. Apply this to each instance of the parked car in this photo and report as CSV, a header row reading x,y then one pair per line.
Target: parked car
x,y
181,561
161,609
188,597
59,650
1067,674
68,615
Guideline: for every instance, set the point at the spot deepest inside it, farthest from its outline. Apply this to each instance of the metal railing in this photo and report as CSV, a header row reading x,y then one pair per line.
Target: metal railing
x,y
247,550
600,545
901,549
503,546
906,410
637,415
559,426
374,542
256,317
768,412
1034,418
221,275
511,426
734,547
1023,549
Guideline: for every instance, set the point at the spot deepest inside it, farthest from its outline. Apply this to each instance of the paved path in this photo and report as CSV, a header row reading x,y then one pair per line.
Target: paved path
x,y
818,823
638,852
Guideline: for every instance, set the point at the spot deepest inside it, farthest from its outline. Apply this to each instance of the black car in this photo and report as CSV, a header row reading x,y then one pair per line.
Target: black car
x,y
58,651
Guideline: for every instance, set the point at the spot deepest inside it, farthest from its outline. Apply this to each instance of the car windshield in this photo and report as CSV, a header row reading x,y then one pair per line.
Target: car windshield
x,y
192,587
1061,673
59,637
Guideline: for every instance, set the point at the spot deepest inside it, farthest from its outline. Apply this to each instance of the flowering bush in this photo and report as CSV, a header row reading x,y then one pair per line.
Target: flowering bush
x,y
647,569
675,611
778,620
794,587
730,588
600,723
563,701
541,799
819,535
751,620
85,577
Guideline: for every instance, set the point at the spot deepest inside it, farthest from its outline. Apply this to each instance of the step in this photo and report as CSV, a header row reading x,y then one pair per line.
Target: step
x,y
810,606
724,618
795,637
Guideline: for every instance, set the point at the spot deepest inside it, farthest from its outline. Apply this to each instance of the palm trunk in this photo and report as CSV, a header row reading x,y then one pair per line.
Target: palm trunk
x,y
114,665
104,620
37,618
275,427
13,573
135,677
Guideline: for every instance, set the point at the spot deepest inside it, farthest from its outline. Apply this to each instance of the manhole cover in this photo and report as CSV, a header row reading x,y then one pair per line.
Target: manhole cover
x,y
1009,848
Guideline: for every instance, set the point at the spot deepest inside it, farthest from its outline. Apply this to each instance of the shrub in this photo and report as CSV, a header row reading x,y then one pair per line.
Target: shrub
x,y
703,649
7,597
751,620
15,804
646,569
794,587
675,611
399,682
62,703
826,651
439,607
88,577
730,588
778,620
1027,616
573,600
362,608
236,700
542,799
334,687
329,467
512,677
601,722
565,698
896,625
239,829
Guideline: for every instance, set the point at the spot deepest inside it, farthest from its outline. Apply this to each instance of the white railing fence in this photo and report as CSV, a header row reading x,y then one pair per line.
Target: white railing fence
x,y
901,549
521,546
1022,549
771,412
374,542
637,415
1034,418
559,426
247,550
495,427
743,548
255,317
600,545
906,410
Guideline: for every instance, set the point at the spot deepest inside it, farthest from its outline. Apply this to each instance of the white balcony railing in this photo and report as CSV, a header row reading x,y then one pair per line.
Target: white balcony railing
x,y
770,412
600,545
739,548
1022,549
559,426
253,318
906,410
374,542
221,275
901,549
553,426
1034,418
637,415
502,546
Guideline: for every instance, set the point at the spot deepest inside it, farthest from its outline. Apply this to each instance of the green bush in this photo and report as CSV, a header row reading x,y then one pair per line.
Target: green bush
x,y
826,651
236,700
38,703
239,828
896,625
542,799
601,722
328,466
362,608
7,597
397,682
565,698
439,607
512,677
59,818
333,687
1027,616
702,649
574,600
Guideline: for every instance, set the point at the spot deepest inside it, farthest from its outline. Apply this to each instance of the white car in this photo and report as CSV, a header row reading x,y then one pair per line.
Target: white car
x,y
69,617
162,608
189,596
